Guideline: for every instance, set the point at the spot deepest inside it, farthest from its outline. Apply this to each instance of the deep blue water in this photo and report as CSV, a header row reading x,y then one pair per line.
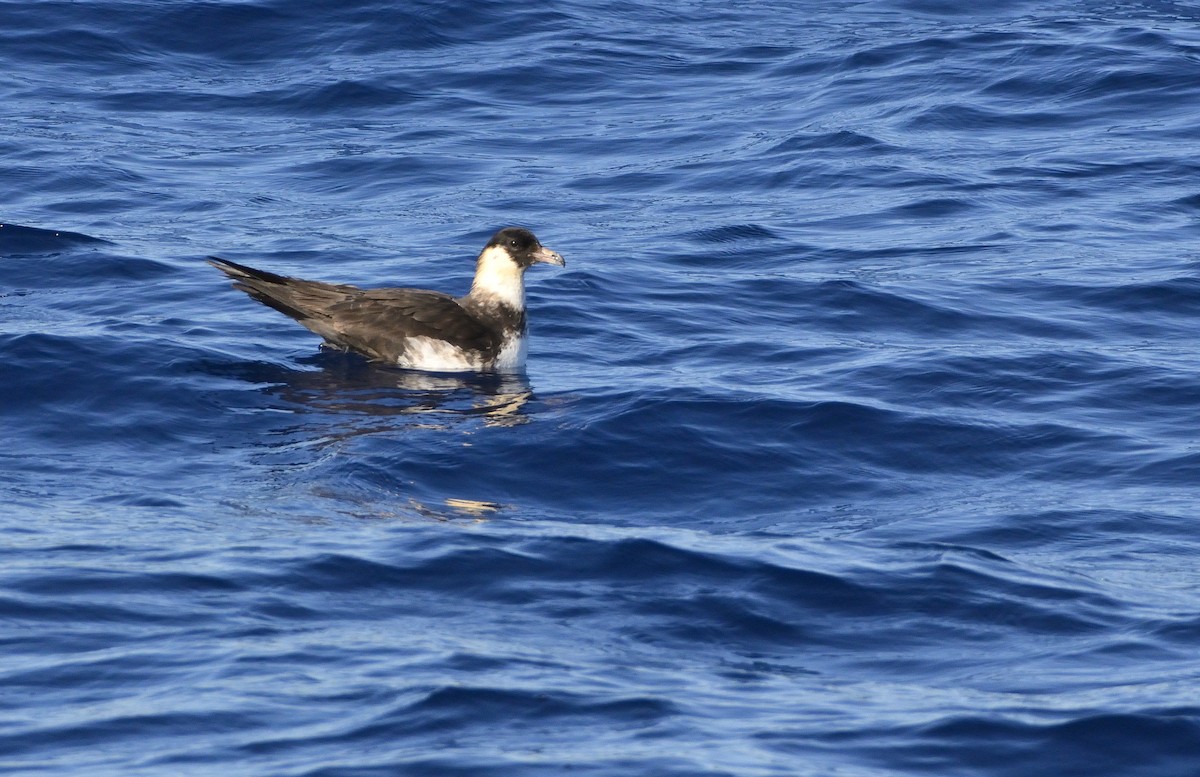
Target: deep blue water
x,y
860,436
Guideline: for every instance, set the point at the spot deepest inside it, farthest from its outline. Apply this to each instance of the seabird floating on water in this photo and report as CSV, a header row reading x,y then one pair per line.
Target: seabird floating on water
x,y
424,330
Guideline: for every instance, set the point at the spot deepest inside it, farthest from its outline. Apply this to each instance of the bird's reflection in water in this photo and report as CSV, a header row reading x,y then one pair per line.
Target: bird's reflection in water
x,y
345,384
341,398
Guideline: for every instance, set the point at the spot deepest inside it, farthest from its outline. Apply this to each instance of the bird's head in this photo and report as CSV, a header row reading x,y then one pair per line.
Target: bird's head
x,y
522,248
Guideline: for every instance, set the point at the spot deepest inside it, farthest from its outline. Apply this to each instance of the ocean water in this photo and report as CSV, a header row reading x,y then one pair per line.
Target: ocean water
x,y
860,435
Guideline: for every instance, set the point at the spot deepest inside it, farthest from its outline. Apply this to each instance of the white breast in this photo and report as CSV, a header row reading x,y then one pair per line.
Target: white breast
x,y
512,355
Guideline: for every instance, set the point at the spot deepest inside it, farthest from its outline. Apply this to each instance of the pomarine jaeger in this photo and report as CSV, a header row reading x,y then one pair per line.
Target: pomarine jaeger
x,y
483,331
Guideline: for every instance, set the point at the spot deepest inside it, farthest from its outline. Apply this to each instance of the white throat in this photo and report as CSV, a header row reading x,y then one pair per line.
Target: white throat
x,y
499,279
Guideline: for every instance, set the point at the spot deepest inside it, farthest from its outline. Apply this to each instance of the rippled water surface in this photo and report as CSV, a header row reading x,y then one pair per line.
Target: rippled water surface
x,y
859,435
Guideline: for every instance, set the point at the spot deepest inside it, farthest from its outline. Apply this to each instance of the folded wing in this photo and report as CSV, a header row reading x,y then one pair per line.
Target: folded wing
x,y
375,322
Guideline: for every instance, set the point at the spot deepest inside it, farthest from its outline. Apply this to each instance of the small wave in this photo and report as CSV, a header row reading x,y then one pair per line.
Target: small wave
x,y
1176,296
733,233
17,240
482,706
844,141
1165,743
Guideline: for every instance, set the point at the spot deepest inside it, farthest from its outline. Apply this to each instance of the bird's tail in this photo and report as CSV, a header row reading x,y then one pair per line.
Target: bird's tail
x,y
266,287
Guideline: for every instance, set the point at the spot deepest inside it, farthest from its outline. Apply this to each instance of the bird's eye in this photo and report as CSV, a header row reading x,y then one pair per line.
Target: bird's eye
x,y
513,242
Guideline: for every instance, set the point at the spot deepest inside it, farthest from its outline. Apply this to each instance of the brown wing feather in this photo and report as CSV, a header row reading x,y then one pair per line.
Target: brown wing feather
x,y
377,321
373,322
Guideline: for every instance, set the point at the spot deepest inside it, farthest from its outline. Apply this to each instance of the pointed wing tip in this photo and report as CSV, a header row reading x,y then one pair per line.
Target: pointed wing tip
x,y
224,265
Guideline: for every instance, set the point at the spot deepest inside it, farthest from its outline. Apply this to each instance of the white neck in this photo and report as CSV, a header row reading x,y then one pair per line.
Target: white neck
x,y
499,279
